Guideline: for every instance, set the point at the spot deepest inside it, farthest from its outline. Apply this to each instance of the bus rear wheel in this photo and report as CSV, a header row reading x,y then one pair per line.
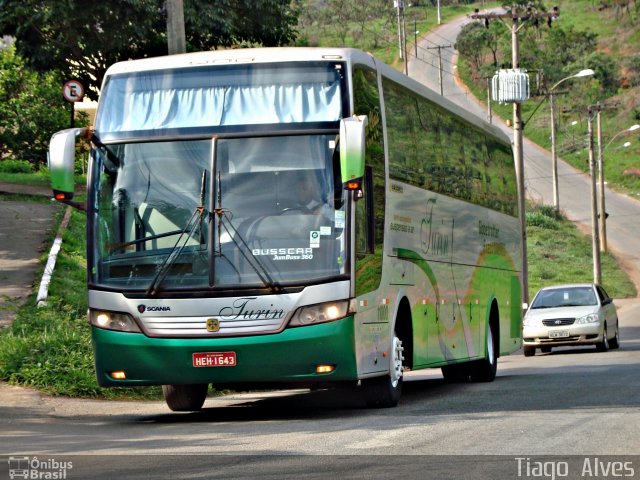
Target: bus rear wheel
x,y
385,391
485,370
185,398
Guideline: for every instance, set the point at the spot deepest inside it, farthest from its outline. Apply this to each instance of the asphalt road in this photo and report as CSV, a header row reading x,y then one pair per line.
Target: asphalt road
x,y
571,402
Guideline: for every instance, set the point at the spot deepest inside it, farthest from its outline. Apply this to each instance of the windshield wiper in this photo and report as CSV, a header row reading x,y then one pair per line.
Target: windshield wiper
x,y
242,245
186,232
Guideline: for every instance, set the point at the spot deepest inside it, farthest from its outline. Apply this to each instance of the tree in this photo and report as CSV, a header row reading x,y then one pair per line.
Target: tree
x,y
31,109
82,42
472,43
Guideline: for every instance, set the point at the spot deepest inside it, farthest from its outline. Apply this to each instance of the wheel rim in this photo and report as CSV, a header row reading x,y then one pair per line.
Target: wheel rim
x,y
490,349
396,366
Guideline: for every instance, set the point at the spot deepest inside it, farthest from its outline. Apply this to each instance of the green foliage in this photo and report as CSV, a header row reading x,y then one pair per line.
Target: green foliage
x,y
15,166
543,217
563,47
82,42
472,42
555,52
31,109
606,68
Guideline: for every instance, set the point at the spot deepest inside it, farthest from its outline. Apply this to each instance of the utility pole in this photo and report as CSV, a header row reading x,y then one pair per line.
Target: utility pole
x,y
439,48
489,114
175,27
518,20
595,244
603,212
554,155
400,14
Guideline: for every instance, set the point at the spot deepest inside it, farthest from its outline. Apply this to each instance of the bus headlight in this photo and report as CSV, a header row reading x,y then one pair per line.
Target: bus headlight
x,y
320,313
121,322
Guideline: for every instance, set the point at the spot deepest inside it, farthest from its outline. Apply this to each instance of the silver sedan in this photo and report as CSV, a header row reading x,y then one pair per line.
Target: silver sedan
x,y
567,315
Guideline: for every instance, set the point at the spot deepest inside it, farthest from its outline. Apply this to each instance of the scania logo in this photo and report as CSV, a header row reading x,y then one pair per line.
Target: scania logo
x,y
144,308
213,325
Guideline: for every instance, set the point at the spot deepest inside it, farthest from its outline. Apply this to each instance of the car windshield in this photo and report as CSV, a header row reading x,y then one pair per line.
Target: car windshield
x,y
223,213
565,297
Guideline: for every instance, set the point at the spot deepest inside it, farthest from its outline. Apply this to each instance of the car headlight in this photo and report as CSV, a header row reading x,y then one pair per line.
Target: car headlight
x,y
121,322
529,322
320,313
591,318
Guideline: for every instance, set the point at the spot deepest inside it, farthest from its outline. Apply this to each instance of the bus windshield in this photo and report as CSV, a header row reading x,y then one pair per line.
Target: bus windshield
x,y
224,213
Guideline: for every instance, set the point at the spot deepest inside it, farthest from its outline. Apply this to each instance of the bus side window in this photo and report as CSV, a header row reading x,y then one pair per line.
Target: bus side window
x,y
365,220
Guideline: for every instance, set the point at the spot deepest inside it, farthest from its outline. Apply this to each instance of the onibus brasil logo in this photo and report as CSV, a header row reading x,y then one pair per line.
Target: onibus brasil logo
x,y
36,469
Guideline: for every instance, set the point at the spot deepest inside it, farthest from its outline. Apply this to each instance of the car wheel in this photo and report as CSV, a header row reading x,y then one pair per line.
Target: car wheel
x,y
185,398
615,341
386,391
603,346
545,349
529,351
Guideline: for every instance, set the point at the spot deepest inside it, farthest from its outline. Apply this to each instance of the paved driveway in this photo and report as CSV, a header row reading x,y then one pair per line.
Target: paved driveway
x,y
25,231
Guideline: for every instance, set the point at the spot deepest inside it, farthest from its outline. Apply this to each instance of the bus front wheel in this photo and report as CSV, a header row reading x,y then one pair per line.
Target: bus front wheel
x,y
385,391
185,398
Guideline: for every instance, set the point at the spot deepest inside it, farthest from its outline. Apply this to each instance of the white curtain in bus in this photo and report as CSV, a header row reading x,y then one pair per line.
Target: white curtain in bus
x,y
222,106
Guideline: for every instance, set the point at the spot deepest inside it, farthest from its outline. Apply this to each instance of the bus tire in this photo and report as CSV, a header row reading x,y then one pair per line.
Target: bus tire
x,y
485,370
185,398
385,392
456,373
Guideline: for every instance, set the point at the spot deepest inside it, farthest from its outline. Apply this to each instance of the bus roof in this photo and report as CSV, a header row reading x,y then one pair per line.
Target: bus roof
x,y
241,56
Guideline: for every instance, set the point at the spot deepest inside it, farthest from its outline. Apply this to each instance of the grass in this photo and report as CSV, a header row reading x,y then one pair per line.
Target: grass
x,y
39,179
49,348
559,253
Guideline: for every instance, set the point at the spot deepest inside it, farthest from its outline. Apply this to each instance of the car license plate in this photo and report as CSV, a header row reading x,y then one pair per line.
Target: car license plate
x,y
214,359
558,334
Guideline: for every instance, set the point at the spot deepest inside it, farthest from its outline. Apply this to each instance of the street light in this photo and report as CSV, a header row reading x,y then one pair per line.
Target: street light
x,y
554,156
630,129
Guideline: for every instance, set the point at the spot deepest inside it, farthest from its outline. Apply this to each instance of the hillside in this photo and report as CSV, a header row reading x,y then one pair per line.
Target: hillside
x,y
616,86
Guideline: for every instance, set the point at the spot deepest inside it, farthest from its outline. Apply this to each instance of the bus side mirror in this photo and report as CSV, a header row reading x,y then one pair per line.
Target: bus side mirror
x,y
352,147
62,152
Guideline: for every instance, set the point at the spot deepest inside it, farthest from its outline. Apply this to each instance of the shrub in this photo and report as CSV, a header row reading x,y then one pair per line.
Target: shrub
x,y
15,166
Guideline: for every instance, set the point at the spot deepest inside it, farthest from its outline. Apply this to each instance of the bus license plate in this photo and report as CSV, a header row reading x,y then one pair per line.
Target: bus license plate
x,y
558,334
214,359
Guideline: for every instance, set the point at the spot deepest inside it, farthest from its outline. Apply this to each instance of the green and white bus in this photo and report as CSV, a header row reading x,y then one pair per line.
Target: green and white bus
x,y
292,217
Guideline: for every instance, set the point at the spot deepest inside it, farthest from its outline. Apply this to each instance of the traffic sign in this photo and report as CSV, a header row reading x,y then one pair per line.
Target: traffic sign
x,y
73,91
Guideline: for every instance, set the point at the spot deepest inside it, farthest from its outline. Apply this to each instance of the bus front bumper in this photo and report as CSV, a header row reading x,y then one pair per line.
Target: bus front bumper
x,y
289,357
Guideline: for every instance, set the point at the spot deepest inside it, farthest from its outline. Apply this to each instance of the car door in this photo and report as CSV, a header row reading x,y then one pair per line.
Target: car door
x,y
608,309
